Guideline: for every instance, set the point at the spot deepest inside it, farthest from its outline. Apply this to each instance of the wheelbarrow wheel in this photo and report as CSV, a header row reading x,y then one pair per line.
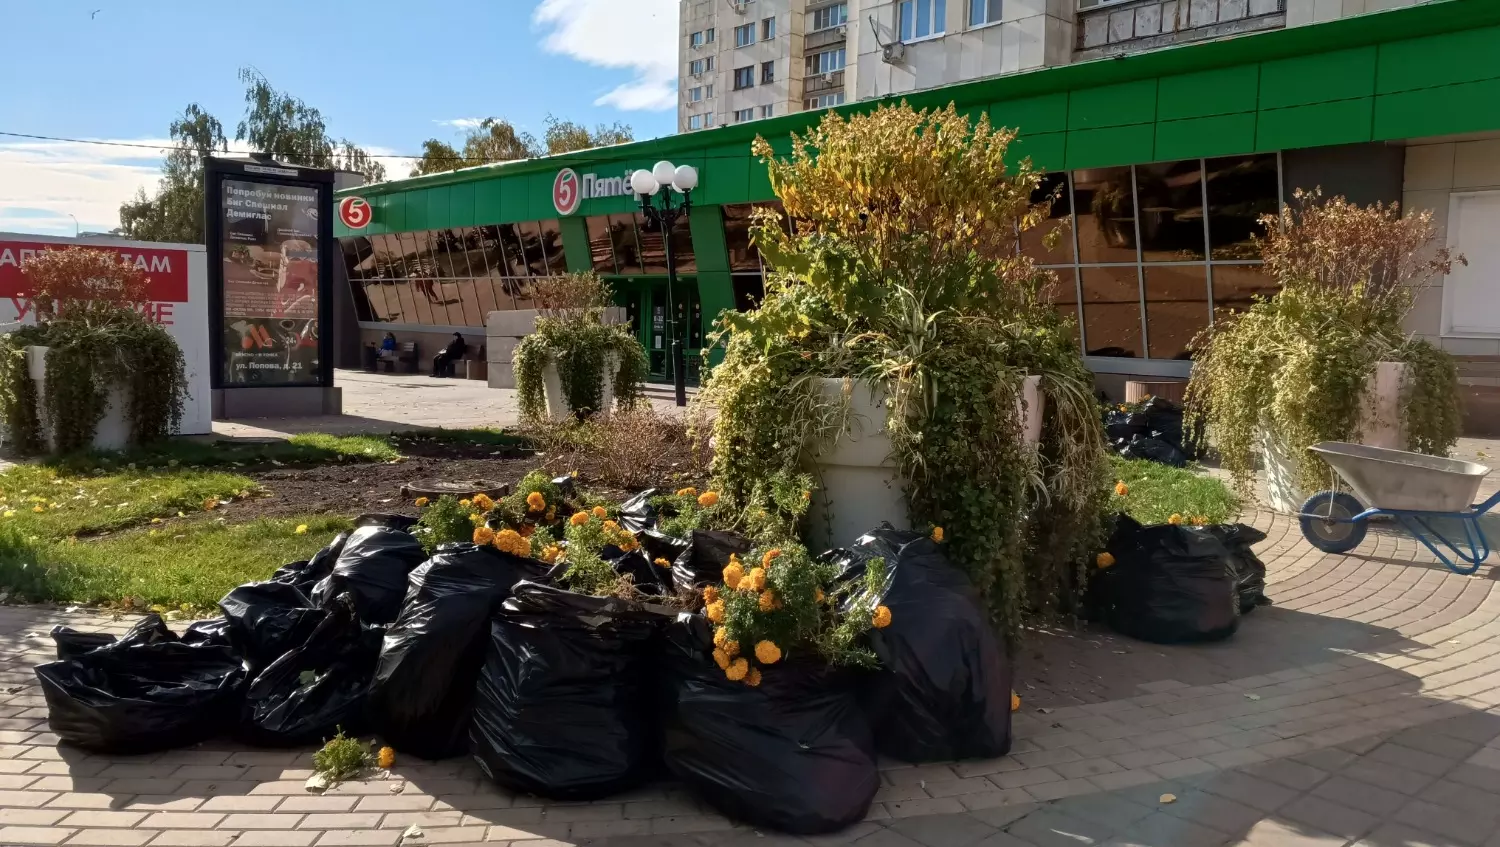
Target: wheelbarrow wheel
x,y
1331,530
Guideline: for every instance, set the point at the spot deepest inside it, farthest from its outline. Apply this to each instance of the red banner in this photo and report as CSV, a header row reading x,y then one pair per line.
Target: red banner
x,y
167,269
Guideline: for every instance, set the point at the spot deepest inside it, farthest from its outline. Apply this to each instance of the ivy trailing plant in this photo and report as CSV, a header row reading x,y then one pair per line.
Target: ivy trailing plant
x,y
571,334
88,306
899,268
1295,365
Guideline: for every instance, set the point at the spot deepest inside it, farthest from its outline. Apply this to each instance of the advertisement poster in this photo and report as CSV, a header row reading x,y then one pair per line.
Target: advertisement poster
x,y
270,234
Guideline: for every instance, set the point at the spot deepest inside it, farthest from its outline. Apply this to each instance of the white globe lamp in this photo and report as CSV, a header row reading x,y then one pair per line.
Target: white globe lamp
x,y
664,172
643,183
685,179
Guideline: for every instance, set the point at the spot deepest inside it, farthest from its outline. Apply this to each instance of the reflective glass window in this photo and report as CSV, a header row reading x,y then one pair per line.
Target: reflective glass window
x,y
505,291
1105,214
530,233
1112,311
627,251
426,266
468,303
400,297
653,246
1236,286
742,254
1170,196
552,245
1240,190
601,244
1063,295
387,257
1054,188
682,247
1176,308
423,294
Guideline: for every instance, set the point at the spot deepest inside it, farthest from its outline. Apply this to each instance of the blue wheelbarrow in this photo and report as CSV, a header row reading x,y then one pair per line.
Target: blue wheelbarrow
x,y
1432,497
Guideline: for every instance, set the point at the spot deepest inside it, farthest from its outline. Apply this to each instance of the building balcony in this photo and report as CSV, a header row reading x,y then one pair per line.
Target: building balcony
x,y
822,83
825,38
1139,25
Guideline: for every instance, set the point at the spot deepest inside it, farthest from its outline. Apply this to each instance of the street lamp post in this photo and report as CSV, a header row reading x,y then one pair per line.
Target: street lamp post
x,y
660,213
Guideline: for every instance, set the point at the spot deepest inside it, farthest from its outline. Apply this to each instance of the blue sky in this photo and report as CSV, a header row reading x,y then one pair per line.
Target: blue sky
x,y
385,74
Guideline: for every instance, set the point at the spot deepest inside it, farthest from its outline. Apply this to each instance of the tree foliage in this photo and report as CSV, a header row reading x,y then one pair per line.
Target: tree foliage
x,y
275,122
497,140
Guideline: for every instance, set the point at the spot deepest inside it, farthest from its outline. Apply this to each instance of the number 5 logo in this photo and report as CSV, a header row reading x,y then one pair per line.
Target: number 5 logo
x,y
355,212
565,194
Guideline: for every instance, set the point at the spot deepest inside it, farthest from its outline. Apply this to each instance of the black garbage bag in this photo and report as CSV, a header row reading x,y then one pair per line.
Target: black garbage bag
x,y
150,629
1126,425
210,633
1249,570
942,690
705,558
372,570
1155,450
1167,584
306,575
564,707
387,520
424,683
566,484
794,754
649,578
310,693
265,620
141,697
659,545
637,514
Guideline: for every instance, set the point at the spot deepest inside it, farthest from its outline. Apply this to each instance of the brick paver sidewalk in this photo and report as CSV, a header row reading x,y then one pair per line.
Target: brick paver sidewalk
x,y
1357,710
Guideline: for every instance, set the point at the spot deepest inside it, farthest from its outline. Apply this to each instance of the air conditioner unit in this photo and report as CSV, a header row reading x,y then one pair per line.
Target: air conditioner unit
x,y
893,53
843,29
740,6
828,77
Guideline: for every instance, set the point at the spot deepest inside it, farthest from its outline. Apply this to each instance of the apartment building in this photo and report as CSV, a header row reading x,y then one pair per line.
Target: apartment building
x,y
746,60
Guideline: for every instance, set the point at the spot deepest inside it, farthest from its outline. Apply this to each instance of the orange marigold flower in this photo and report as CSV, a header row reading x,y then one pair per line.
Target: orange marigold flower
x,y
466,503
757,579
611,526
483,535
721,635
1104,559
536,502
752,678
550,554
1121,489
600,512
422,502
733,574
1015,702
731,648
715,611
708,499
817,595
882,617
1175,520
767,653
662,563
687,492
210,504
766,560
767,601
387,757
483,502
937,534
1200,520
551,513
579,518
737,670
710,594
721,659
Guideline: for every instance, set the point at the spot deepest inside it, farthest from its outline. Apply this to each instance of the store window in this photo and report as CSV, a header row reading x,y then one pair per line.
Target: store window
x,y
922,18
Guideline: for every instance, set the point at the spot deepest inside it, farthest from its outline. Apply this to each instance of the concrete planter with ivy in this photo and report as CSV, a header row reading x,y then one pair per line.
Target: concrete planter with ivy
x,y
113,429
574,364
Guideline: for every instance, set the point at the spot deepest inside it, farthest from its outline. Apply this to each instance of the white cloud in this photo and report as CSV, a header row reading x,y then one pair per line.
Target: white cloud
x,y
461,123
639,36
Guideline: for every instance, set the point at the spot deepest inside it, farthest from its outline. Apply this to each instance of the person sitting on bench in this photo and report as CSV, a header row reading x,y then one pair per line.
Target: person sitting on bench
x,y
443,362
388,346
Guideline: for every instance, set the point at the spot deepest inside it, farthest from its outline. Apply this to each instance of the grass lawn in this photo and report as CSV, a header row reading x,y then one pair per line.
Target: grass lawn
x,y
195,565
306,449
49,504
1157,491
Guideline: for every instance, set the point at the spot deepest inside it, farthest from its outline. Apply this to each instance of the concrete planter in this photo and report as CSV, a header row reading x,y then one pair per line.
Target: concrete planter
x,y
557,401
113,432
860,484
1379,426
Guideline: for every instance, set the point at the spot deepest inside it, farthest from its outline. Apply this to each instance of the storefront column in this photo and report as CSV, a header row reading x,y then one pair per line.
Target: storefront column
x,y
575,239
715,288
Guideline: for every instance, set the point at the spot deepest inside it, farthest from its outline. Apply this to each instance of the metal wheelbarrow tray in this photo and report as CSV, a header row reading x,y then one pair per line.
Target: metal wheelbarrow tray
x,y
1415,489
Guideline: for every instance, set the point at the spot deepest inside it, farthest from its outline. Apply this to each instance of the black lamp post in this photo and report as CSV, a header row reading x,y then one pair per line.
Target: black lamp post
x,y
661,214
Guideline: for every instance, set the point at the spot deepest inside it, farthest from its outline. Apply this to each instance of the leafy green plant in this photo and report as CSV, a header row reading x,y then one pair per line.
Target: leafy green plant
x,y
571,334
1295,365
444,521
588,533
343,758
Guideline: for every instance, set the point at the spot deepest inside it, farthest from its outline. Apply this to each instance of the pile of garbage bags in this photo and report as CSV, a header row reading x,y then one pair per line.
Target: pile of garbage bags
x,y
1150,430
473,651
1171,583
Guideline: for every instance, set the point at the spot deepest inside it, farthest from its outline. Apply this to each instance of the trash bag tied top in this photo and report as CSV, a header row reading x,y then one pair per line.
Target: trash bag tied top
x,y
1169,584
372,569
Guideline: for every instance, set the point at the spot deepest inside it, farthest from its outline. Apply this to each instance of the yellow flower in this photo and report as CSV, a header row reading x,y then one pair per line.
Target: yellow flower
x,y
752,678
483,503
687,492
937,534
210,504
38,508
552,513
156,520
767,653
387,757
483,535
536,502
757,579
422,502
721,659
733,574
806,495
1121,489
766,560
731,648
767,601
1104,559
476,519
611,526
1175,520
512,542
882,617
550,554
710,594
466,503
817,595
1200,520
708,499
579,518
301,529
715,611
662,563
721,635
1015,702
573,474
600,512
737,670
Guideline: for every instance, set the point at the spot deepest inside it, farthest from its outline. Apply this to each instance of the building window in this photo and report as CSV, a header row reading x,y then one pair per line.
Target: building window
x,y
826,62
767,73
767,111
697,121
829,17
744,36
696,39
695,95
767,29
708,35
698,67
708,92
825,101
744,77
922,18
983,12
744,116
708,119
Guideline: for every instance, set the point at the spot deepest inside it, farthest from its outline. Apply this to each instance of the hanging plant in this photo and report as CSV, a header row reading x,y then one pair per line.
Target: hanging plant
x,y
88,305
1296,365
571,335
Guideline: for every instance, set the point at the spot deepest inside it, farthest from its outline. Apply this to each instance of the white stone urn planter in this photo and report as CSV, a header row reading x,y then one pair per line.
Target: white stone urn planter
x,y
860,485
113,432
1379,426
557,401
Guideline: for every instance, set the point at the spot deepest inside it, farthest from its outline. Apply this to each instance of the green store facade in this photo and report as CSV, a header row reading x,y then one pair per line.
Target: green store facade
x,y
1163,161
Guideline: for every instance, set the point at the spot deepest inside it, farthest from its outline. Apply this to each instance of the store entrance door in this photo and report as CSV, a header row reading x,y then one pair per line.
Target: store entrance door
x,y
659,333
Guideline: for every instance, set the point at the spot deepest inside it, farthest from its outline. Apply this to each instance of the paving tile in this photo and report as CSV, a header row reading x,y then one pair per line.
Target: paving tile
x,y
1213,811
1389,834
1406,758
1106,809
1058,790
1328,816
366,820
1289,773
1050,828
1163,829
112,837
34,834
1468,829
1360,795
1249,790
1022,779
935,806
944,830
1276,833
96,818
1377,773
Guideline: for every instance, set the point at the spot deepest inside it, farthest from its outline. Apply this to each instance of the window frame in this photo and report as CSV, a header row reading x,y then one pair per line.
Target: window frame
x,y
768,28
814,63
742,116
827,11
749,75
744,30
768,110
937,20
768,72
989,20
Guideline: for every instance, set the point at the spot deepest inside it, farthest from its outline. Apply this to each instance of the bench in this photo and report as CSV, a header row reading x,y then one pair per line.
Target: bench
x,y
406,354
